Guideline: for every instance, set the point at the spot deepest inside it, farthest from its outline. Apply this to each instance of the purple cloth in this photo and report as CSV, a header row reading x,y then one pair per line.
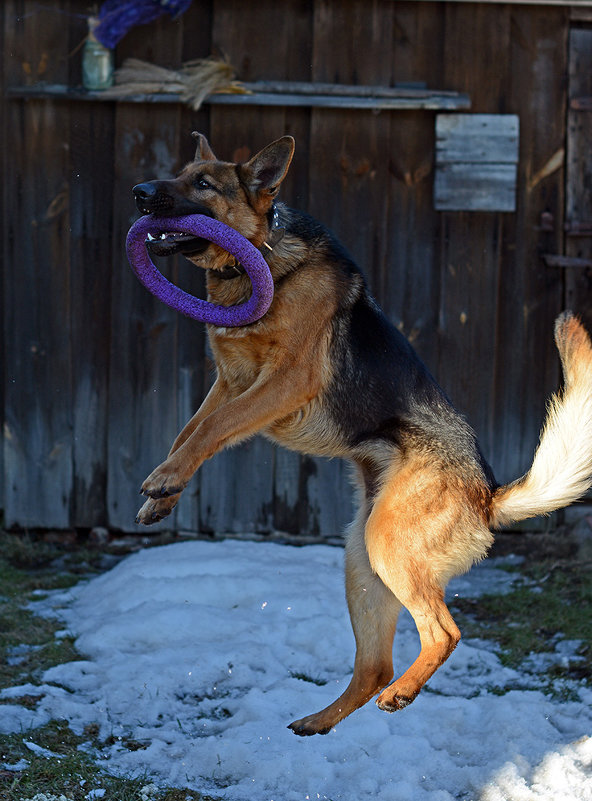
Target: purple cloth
x,y
213,230
116,17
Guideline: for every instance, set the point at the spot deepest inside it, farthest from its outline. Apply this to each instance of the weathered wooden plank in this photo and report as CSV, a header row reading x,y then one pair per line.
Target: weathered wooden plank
x,y
477,138
471,257
143,365
409,287
368,99
239,482
471,248
570,263
349,154
568,3
580,13
288,23
330,496
192,367
236,489
289,497
374,102
238,485
578,201
475,187
244,130
350,90
3,215
349,177
431,102
189,396
90,178
91,217
583,103
530,293
37,432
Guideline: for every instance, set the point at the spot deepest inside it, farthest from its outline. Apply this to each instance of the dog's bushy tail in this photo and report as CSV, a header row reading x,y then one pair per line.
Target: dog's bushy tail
x,y
561,471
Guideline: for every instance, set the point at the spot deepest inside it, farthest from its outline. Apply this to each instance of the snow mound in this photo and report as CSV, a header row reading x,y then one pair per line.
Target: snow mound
x,y
201,654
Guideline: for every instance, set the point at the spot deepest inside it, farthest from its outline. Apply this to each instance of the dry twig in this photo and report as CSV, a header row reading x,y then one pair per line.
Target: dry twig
x,y
193,82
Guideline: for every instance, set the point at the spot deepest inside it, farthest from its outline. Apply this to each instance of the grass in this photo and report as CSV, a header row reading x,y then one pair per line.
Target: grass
x,y
552,597
29,566
72,773
553,602
22,573
311,679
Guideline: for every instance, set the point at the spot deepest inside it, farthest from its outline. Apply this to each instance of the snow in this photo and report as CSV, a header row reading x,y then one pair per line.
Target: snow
x,y
99,793
202,653
15,767
40,751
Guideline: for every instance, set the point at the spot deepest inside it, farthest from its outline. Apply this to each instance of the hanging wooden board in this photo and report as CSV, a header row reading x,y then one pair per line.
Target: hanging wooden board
x,y
476,162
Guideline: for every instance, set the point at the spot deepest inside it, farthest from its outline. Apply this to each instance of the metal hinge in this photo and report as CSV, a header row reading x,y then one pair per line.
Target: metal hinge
x,y
578,227
566,261
581,103
571,227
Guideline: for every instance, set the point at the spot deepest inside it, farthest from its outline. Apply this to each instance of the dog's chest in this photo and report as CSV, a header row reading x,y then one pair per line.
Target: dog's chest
x,y
309,430
241,357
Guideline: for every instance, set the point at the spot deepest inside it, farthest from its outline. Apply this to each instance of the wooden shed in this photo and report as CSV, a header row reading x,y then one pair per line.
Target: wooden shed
x,y
450,153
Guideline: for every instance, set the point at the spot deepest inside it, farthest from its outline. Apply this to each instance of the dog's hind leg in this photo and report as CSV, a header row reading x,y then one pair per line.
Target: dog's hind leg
x,y
374,611
423,529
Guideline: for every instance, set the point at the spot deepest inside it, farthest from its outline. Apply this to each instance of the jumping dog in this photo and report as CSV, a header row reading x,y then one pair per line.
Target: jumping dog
x,y
324,372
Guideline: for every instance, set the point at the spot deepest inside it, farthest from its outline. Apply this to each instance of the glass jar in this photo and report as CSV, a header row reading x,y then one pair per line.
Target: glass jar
x,y
97,61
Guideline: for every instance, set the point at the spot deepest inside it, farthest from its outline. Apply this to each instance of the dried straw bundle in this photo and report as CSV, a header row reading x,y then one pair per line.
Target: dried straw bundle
x,y
193,82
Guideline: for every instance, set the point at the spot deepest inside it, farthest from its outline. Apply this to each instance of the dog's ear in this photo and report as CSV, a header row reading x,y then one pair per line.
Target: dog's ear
x,y
266,170
203,152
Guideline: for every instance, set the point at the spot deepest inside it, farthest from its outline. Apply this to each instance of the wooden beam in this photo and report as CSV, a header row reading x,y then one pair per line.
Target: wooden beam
x,y
374,98
574,4
567,262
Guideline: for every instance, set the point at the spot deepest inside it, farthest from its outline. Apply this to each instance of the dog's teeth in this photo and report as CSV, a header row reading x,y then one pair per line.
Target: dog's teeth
x,y
150,238
163,236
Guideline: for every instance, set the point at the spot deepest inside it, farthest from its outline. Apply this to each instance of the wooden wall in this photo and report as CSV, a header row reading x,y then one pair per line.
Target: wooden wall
x,y
98,376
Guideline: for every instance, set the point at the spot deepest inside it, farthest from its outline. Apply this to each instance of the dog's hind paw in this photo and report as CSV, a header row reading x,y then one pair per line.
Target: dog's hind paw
x,y
391,701
154,510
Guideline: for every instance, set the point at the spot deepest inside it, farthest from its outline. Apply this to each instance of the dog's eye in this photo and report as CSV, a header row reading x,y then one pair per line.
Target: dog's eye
x,y
201,183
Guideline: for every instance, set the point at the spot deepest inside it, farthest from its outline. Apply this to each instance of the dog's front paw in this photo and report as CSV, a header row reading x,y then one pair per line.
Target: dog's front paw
x,y
313,724
166,480
154,510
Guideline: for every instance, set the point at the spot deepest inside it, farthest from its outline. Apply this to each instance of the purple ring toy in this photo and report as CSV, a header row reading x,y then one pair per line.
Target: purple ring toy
x,y
206,227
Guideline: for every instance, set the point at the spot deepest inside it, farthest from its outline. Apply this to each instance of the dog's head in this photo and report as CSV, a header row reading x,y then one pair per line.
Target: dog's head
x,y
239,195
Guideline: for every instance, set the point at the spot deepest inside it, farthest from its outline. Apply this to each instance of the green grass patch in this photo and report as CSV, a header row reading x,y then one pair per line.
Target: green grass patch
x,y
23,571
312,679
29,565
555,600
71,772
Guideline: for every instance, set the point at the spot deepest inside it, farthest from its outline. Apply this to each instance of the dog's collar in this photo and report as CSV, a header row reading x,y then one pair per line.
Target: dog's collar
x,y
276,234
230,271
233,269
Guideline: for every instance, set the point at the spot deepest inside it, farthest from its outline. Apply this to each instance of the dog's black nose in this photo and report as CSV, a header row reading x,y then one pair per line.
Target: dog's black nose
x,y
144,191
153,197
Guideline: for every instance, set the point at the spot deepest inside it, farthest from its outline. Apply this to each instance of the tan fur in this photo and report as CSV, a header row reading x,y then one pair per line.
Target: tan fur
x,y
561,471
424,511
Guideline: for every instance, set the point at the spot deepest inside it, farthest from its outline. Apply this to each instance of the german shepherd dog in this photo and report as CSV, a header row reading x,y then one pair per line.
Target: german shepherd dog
x,y
324,372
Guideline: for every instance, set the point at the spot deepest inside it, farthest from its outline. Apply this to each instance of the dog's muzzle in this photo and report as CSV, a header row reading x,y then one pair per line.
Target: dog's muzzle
x,y
151,199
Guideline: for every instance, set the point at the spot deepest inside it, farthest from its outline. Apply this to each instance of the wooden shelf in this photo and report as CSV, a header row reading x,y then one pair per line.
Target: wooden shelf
x,y
265,93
